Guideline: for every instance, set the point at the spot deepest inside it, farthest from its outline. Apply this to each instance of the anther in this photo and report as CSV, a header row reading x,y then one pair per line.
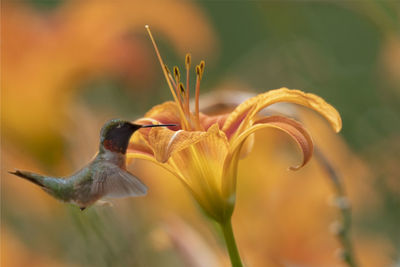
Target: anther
x,y
202,64
182,88
177,74
188,60
168,72
198,71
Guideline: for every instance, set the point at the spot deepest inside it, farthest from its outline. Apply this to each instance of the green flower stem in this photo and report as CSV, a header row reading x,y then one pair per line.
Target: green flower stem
x,y
231,244
344,209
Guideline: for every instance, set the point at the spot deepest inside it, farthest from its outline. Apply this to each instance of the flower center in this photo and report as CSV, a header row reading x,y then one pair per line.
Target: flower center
x,y
181,94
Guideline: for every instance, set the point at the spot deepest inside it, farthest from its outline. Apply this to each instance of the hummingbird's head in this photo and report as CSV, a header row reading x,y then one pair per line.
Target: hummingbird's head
x,y
115,135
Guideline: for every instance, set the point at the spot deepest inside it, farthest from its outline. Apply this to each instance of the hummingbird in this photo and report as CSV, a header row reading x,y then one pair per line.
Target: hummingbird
x,y
104,177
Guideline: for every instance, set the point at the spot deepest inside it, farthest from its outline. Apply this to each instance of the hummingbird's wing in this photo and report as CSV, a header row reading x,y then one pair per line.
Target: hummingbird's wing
x,y
114,182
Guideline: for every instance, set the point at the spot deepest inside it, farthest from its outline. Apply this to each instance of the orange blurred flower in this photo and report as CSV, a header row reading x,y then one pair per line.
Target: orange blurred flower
x,y
47,57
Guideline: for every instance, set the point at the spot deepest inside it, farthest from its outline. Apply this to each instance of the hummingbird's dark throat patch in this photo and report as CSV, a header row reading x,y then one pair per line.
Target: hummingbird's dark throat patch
x,y
109,145
117,138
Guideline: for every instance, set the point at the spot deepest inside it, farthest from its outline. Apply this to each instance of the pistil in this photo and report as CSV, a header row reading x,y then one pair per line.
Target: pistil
x,y
167,75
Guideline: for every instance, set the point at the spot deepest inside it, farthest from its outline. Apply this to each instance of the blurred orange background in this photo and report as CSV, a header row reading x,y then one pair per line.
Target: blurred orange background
x,y
68,66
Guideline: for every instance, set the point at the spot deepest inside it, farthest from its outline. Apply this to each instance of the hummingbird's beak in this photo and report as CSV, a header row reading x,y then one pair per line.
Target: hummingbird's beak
x,y
157,125
136,127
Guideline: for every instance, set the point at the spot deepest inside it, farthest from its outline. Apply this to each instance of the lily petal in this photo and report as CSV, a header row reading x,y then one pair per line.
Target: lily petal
x,y
244,112
165,142
297,131
135,155
165,113
139,148
290,126
202,166
139,139
207,121
235,120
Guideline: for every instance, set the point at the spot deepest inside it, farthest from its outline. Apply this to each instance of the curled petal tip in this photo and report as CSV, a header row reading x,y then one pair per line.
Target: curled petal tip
x,y
338,125
296,168
304,163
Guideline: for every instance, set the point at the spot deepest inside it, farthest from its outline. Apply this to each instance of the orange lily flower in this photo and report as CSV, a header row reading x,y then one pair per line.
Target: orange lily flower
x,y
203,151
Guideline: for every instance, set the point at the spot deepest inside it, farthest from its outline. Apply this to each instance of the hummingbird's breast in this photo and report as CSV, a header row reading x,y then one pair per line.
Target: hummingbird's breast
x,y
113,157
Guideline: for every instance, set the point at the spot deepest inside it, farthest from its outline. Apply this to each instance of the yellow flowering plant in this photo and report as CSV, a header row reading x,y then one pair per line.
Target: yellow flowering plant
x,y
203,151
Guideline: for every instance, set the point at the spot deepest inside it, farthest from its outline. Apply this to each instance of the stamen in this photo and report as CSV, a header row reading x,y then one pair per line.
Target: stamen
x,y
182,95
179,94
179,91
163,67
198,71
170,76
197,93
202,64
188,60
177,74
182,88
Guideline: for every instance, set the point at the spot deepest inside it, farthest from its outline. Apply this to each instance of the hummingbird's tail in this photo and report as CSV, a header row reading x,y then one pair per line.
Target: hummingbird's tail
x,y
32,177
